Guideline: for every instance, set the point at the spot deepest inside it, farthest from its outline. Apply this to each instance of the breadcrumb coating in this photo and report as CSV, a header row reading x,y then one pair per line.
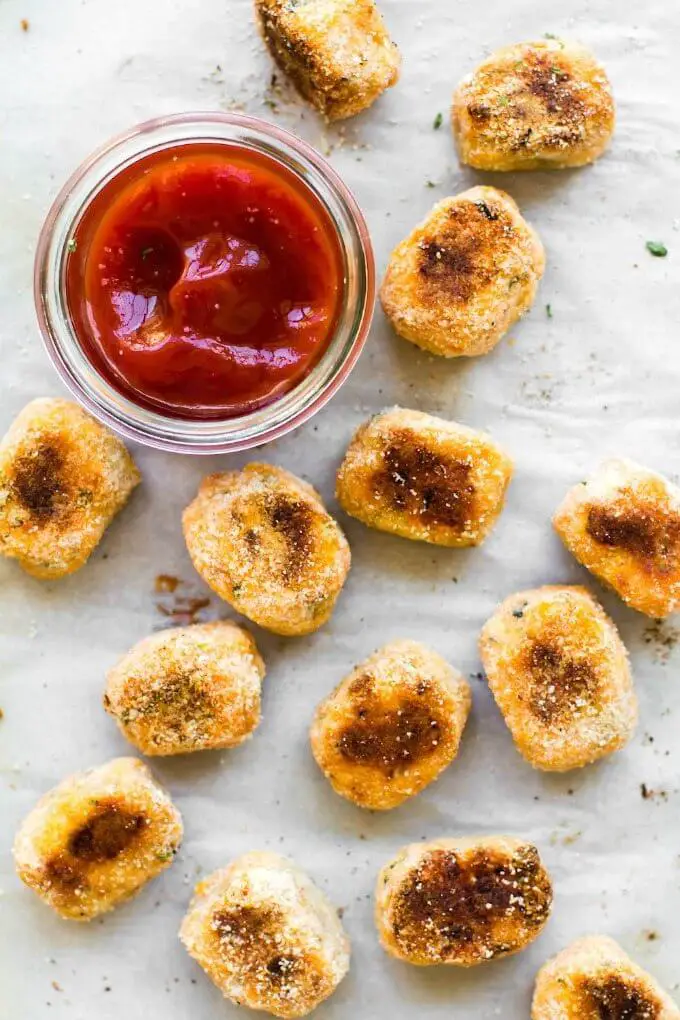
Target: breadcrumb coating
x,y
462,902
337,53
560,675
63,478
266,936
424,478
464,275
391,726
97,838
263,540
188,689
623,524
534,106
593,979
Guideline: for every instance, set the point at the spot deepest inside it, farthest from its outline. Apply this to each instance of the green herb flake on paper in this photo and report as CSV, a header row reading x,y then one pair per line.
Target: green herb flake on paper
x,y
657,248
548,311
554,38
438,121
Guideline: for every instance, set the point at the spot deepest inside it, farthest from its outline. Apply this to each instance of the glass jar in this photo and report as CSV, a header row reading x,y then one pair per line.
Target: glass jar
x,y
114,408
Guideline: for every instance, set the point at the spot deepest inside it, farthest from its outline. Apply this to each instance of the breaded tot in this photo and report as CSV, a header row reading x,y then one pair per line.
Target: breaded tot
x,y
391,726
559,673
462,901
464,276
63,478
263,540
624,526
267,937
188,689
337,53
593,979
424,478
535,106
97,838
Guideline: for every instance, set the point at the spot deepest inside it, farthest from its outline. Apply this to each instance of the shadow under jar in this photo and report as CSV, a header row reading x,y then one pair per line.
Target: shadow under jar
x,y
204,283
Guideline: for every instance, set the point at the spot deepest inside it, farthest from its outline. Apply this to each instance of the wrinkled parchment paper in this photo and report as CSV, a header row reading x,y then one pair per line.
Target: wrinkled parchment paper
x,y
600,377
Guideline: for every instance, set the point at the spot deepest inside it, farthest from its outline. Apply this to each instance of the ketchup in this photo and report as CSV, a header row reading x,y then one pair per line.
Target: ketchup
x,y
204,280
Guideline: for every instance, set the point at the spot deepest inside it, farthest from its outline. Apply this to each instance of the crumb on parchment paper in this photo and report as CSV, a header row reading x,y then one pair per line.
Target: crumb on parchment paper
x,y
664,637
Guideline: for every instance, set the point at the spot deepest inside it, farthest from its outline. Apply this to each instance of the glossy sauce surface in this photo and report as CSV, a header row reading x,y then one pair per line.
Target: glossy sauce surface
x,y
205,280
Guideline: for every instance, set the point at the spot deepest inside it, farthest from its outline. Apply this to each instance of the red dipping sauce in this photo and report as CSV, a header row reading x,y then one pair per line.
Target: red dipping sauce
x,y
204,280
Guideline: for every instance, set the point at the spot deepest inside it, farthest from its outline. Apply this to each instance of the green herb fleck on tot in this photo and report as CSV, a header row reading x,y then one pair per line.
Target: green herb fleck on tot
x,y
165,855
555,38
548,311
504,101
146,252
519,613
657,248
438,121
71,245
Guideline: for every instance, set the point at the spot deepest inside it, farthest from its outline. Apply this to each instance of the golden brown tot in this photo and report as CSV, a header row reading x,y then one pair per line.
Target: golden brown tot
x,y
337,53
462,901
623,524
594,979
560,675
266,936
97,838
186,689
391,726
464,276
534,106
63,478
424,478
263,540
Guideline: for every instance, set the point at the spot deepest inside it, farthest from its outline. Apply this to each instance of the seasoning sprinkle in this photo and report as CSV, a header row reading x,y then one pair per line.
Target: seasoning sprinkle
x,y
438,121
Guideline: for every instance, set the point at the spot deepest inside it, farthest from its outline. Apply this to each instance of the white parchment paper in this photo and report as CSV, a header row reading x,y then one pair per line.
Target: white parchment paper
x,y
601,377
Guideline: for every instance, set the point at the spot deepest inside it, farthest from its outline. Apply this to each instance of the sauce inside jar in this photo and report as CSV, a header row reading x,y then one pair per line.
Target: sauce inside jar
x,y
205,280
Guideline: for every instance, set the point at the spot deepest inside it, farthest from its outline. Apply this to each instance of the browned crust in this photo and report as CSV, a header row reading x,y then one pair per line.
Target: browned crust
x,y
613,997
263,540
188,689
95,839
266,936
337,54
468,906
251,942
593,979
423,478
559,673
464,275
63,477
391,726
536,105
624,525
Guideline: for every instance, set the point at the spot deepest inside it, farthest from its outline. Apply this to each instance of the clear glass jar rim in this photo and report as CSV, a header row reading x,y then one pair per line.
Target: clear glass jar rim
x,y
208,436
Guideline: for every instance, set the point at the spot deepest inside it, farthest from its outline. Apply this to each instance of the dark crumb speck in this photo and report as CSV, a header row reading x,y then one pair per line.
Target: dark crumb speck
x,y
664,638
